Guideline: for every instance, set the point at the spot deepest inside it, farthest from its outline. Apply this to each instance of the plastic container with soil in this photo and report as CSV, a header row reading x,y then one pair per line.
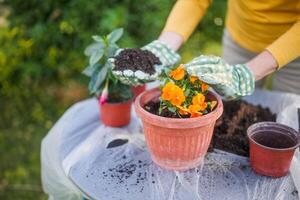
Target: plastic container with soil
x,y
272,146
177,143
115,114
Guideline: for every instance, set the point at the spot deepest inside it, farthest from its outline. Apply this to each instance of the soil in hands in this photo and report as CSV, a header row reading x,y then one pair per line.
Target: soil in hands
x,y
153,107
136,59
230,133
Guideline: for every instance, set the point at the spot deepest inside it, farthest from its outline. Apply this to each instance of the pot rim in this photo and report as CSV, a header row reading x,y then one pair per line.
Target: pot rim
x,y
117,103
272,124
178,123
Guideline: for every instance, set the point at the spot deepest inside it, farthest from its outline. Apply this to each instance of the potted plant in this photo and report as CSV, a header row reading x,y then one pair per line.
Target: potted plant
x,y
178,119
114,97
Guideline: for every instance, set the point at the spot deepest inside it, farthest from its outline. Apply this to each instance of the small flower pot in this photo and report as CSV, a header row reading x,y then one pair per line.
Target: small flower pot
x,y
177,143
272,146
115,114
137,90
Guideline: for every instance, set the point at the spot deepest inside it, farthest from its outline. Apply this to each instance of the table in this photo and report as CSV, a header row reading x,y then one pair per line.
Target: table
x,y
76,162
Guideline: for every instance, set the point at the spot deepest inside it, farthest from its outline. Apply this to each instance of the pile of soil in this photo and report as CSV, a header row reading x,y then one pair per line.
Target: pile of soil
x,y
230,132
136,59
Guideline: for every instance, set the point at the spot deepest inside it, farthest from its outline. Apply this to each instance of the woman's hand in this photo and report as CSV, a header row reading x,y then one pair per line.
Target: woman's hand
x,y
167,56
230,81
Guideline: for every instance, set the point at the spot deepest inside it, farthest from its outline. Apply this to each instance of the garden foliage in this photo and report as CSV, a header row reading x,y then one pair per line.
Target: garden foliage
x,y
41,60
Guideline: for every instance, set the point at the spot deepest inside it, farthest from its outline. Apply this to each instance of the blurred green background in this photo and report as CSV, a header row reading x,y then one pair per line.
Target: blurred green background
x,y
41,59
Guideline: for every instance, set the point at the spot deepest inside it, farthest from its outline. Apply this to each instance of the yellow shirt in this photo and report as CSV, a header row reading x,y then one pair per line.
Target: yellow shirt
x,y
254,24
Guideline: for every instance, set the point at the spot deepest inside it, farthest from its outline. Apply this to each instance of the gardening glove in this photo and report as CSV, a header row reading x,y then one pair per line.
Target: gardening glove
x,y
230,81
167,56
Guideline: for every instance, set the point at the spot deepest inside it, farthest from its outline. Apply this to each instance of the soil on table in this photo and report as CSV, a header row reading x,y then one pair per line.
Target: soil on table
x,y
230,133
136,59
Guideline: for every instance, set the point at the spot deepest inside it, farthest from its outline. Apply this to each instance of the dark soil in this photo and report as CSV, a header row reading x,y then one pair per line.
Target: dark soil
x,y
136,59
274,140
230,133
153,107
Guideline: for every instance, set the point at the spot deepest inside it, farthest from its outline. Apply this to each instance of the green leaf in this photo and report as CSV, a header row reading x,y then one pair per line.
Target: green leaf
x,y
112,50
93,47
96,56
115,35
187,92
98,79
172,109
98,38
88,71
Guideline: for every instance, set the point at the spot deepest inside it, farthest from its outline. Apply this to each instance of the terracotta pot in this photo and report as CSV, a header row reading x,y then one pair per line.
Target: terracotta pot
x,y
115,114
137,90
265,158
177,144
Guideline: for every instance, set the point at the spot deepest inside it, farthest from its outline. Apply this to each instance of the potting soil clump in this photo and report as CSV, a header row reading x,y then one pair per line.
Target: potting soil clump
x,y
136,59
230,133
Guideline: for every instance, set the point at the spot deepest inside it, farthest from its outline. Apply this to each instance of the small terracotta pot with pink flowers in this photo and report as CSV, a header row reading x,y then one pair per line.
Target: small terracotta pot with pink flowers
x,y
178,120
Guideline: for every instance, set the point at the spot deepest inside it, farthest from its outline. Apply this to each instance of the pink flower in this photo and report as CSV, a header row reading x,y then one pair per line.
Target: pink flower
x,y
104,94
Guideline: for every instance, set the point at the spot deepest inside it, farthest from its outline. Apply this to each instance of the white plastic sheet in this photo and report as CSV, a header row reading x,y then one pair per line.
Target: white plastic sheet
x,y
75,162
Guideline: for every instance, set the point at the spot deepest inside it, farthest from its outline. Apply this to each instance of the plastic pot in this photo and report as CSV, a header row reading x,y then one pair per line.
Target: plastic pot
x,y
177,144
138,90
115,114
272,146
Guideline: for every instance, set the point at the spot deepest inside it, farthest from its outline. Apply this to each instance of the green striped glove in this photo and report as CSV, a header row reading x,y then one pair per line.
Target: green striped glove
x,y
230,81
167,56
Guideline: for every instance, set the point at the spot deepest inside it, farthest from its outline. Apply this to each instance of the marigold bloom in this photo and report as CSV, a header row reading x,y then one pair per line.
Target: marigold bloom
x,y
193,79
178,97
167,91
195,114
204,87
198,99
178,73
183,110
194,110
203,106
173,93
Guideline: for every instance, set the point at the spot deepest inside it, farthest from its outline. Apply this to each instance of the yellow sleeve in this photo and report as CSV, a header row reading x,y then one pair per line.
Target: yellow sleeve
x,y
185,16
287,47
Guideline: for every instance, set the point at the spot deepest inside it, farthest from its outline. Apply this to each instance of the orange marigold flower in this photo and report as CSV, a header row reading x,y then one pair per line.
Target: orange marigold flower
x,y
195,114
193,79
178,97
183,110
203,106
167,91
194,110
178,73
198,99
204,87
173,93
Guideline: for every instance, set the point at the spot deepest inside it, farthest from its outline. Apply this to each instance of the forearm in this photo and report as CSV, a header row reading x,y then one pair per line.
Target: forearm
x,y
172,39
262,65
